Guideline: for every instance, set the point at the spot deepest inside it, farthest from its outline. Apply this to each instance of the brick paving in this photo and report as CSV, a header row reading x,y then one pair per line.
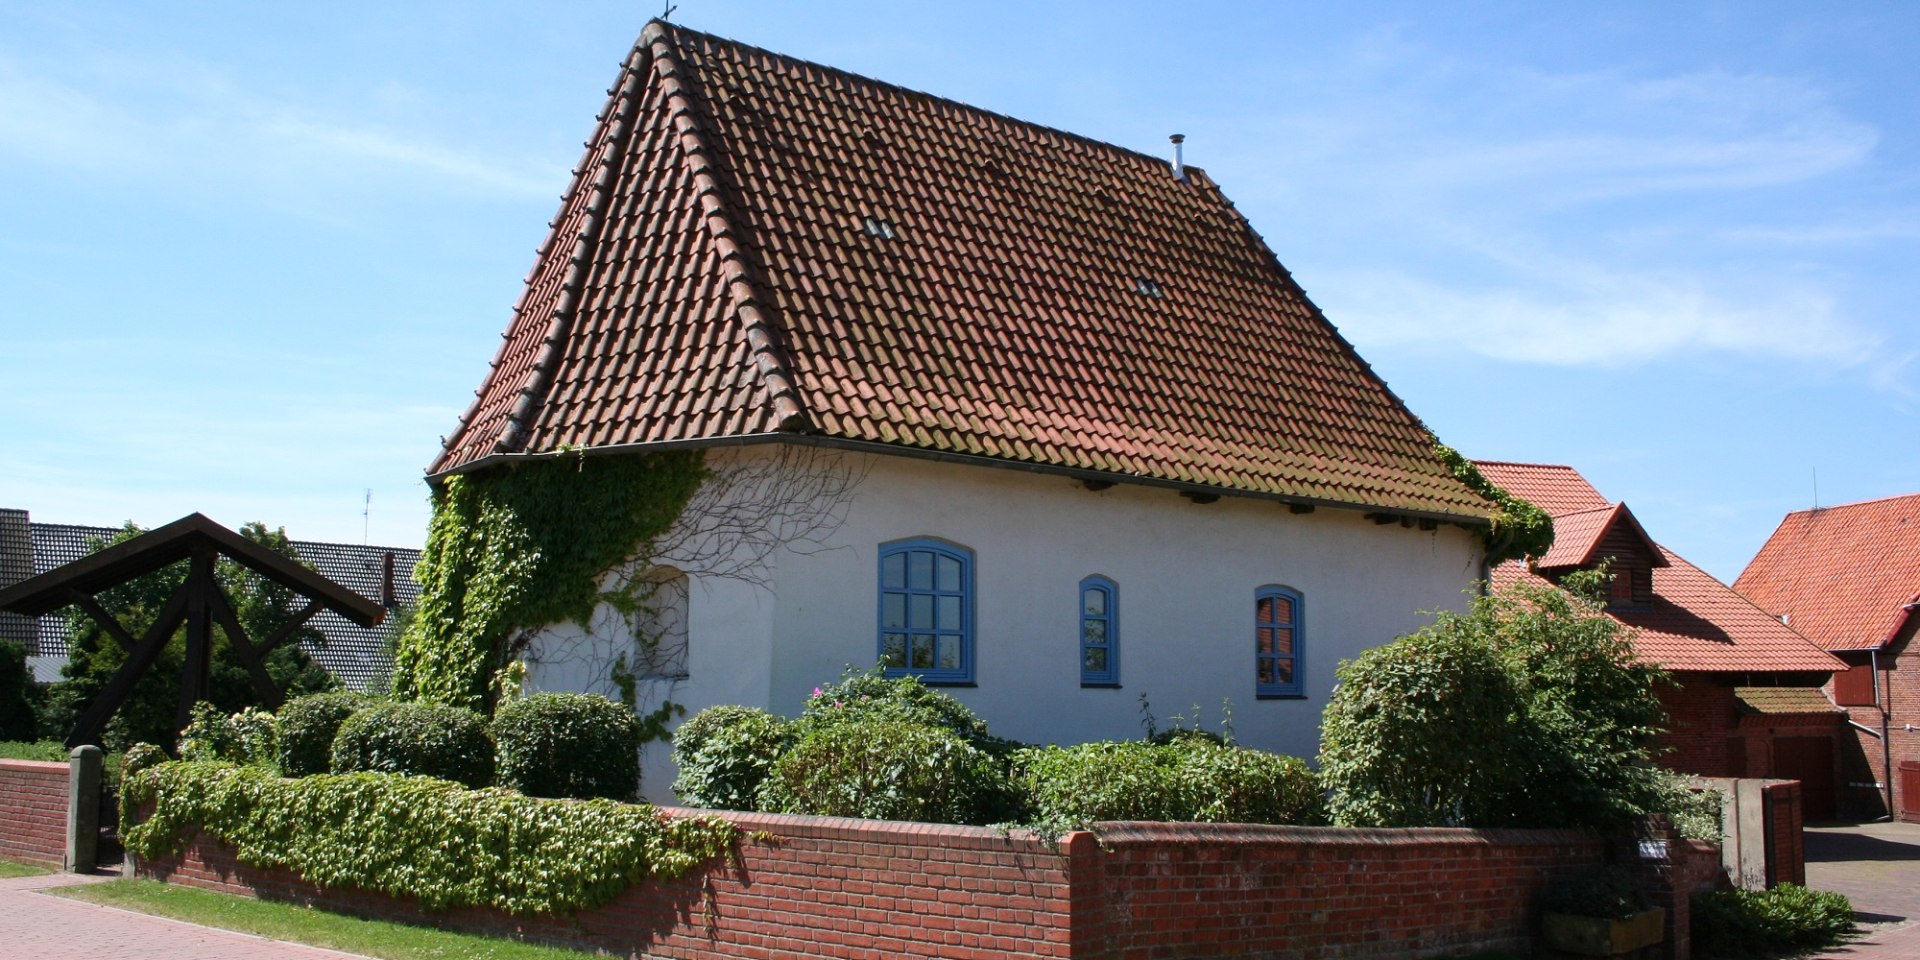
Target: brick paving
x,y
33,924
1878,867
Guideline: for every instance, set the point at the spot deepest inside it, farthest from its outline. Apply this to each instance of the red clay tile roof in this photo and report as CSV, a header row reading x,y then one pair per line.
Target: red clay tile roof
x,y
756,244
1842,575
1696,623
1577,536
1782,701
1551,487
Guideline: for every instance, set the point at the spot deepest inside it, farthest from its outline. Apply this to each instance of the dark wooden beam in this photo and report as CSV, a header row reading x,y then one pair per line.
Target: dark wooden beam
x,y
287,630
1096,485
1198,496
270,695
1300,508
106,620
87,729
1382,518
194,674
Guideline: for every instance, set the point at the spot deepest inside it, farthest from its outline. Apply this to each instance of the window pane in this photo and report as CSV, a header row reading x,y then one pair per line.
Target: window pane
x,y
893,571
893,609
1263,640
922,610
1282,610
1266,670
1286,641
949,653
1284,669
1096,660
922,652
948,611
949,574
920,570
1263,609
893,650
1093,631
1094,602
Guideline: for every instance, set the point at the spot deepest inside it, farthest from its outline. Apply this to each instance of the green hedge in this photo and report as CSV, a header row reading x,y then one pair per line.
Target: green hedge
x,y
424,739
1187,779
578,745
724,753
1740,923
307,727
888,769
419,837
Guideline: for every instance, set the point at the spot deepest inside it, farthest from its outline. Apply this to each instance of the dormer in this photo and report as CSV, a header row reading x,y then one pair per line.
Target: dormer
x,y
1585,539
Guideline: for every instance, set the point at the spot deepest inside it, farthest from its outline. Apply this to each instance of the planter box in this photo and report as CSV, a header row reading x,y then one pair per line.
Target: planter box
x,y
1595,937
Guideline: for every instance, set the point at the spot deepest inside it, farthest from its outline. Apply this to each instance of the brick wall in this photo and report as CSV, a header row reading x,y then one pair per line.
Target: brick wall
x,y
1701,728
33,811
823,887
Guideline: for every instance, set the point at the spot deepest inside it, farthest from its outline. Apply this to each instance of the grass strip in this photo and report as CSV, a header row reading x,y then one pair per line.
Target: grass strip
x,y
10,869
315,928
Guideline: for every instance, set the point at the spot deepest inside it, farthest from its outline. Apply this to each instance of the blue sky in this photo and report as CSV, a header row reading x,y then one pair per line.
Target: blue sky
x,y
257,256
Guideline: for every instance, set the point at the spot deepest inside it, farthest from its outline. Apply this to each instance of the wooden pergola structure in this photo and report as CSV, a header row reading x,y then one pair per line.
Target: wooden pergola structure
x,y
199,603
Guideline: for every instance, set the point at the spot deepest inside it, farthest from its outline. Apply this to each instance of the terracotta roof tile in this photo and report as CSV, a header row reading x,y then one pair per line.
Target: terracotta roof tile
x,y
983,285
1695,623
1577,536
1842,575
1783,701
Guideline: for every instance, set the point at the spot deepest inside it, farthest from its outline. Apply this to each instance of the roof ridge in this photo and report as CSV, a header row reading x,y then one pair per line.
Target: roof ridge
x,y
1857,503
620,109
1525,463
934,97
762,336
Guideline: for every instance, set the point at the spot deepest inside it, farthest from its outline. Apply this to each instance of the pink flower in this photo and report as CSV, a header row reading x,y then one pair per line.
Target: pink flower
x,y
816,691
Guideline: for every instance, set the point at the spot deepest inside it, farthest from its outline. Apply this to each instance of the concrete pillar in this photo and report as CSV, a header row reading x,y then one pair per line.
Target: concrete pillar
x,y
83,808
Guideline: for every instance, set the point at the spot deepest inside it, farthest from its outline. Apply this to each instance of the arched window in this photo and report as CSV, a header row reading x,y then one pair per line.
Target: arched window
x,y
1277,642
926,610
1099,632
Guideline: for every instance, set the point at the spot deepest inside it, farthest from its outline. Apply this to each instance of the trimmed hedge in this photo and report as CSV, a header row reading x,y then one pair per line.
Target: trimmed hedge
x,y
423,739
578,745
307,727
1187,779
419,837
724,753
888,769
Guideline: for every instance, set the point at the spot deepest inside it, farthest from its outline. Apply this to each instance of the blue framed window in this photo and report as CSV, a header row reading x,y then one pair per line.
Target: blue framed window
x,y
1099,632
926,610
1277,642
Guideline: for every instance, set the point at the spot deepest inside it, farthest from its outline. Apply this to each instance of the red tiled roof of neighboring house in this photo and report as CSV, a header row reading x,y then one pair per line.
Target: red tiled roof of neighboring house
x,y
1577,536
1783,701
758,245
1843,576
1551,487
1695,623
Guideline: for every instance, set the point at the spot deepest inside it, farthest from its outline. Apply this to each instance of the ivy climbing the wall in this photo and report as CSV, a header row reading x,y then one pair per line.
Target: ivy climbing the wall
x,y
523,546
1519,529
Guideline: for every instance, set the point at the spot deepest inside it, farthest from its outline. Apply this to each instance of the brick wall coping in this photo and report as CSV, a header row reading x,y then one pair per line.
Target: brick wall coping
x,y
852,828
1117,834
35,766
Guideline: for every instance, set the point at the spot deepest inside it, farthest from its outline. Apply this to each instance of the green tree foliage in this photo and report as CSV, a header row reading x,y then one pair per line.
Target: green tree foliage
x,y
151,711
1530,709
19,695
521,547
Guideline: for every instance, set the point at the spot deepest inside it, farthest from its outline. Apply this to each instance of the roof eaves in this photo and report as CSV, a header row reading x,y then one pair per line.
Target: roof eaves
x,y
762,335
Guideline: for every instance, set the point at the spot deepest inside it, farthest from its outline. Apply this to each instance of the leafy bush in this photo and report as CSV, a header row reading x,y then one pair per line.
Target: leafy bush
x,y
578,745
1694,810
421,837
1186,779
245,737
868,695
724,753
888,769
307,727
1608,893
1731,923
140,756
1530,709
19,695
423,739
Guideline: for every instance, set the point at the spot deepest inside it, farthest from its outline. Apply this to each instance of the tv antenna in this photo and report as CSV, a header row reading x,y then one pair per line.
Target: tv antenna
x,y
668,12
366,515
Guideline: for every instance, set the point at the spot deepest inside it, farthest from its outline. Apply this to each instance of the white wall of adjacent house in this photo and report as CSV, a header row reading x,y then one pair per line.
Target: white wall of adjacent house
x,y
1186,577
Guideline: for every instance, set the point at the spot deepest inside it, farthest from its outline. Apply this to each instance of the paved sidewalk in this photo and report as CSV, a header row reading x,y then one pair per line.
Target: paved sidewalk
x,y
1877,865
42,927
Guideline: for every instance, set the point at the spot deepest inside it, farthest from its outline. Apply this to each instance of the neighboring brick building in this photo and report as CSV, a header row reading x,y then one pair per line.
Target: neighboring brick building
x,y
1747,700
1848,577
357,655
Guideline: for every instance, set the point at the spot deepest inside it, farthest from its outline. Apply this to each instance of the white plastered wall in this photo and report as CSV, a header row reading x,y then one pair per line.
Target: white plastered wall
x,y
1186,574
